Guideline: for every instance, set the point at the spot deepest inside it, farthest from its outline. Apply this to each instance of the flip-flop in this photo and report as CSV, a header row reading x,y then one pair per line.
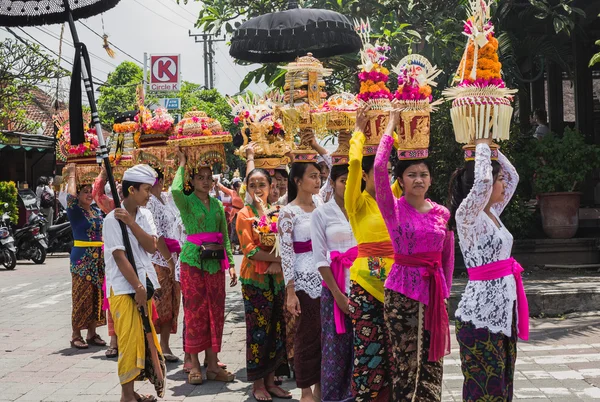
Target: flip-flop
x,y
221,365
82,344
264,391
170,358
145,398
275,395
111,352
96,341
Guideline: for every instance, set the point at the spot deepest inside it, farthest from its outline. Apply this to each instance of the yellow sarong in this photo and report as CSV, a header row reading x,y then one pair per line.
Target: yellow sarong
x,y
130,335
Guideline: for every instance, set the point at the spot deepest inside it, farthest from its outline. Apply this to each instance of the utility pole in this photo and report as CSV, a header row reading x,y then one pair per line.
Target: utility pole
x,y
207,41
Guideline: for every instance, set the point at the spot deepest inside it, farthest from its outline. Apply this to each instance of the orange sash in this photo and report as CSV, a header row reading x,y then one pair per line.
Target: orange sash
x,y
381,249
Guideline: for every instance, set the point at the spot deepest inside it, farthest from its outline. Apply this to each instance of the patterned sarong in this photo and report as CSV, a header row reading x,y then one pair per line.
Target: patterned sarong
x,y
307,345
265,331
204,306
337,354
87,303
487,362
167,299
415,378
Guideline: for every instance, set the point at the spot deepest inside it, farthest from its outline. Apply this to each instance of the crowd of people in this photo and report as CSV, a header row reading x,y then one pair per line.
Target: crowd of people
x,y
354,302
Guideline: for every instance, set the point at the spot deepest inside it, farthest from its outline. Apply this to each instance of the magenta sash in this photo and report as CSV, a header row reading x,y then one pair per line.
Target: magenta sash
x,y
173,245
301,247
436,314
500,269
340,262
209,237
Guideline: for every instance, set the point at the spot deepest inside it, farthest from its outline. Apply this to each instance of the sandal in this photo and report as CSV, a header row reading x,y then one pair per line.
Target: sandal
x,y
222,375
96,341
144,398
221,365
281,393
264,392
195,378
111,352
170,358
79,343
187,368
278,380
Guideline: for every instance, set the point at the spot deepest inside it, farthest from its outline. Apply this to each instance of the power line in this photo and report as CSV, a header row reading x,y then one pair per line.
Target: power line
x,y
115,46
185,9
161,16
173,11
53,35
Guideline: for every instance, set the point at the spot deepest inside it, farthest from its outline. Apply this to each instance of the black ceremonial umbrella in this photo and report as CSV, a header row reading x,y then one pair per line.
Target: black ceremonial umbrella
x,y
14,13
285,35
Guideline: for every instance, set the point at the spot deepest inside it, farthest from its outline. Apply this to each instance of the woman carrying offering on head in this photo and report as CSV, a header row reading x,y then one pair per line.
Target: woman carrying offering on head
x,y
493,308
205,256
420,279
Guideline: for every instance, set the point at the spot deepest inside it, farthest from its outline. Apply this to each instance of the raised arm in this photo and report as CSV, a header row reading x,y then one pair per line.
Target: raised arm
x,y
105,203
511,178
285,226
385,197
352,198
480,194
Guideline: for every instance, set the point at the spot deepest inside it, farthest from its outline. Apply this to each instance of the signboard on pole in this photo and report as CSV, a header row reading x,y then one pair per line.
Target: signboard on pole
x,y
170,103
165,72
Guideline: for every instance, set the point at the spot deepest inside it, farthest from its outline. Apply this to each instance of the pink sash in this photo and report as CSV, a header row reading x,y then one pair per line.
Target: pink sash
x,y
173,245
209,237
436,314
301,247
340,262
500,269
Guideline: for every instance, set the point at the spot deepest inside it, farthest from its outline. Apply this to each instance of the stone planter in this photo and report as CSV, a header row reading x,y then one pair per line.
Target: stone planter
x,y
560,214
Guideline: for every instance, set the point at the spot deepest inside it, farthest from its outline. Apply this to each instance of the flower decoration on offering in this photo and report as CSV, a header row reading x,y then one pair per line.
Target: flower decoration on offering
x,y
266,227
481,103
415,79
84,153
373,78
122,142
262,129
156,130
85,174
304,94
341,111
158,158
196,128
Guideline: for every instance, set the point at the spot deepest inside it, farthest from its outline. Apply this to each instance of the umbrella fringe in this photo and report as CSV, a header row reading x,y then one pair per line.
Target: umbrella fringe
x,y
55,15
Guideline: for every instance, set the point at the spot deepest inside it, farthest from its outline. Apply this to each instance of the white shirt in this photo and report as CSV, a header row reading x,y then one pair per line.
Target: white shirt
x,y
165,219
113,240
487,304
330,231
294,226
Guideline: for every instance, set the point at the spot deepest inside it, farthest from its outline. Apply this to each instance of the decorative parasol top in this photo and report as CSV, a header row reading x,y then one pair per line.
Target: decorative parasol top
x,y
43,12
308,63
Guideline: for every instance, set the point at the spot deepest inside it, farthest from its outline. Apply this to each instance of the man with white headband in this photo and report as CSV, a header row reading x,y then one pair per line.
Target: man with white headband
x,y
122,281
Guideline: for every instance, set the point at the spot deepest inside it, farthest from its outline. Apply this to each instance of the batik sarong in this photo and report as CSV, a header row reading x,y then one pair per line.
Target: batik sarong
x,y
307,345
487,362
370,378
414,377
167,299
87,303
265,331
204,306
337,354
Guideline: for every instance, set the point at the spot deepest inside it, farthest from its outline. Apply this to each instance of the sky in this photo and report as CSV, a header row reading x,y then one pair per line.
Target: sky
x,y
138,26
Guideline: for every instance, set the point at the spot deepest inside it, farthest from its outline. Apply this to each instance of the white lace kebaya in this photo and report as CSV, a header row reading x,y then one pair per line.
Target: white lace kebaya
x,y
487,304
294,226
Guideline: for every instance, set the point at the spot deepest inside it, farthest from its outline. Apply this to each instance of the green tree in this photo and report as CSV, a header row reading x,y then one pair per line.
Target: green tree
x,y
118,95
22,68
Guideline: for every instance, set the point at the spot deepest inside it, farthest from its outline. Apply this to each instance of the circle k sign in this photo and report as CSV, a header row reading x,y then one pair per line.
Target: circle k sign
x,y
165,72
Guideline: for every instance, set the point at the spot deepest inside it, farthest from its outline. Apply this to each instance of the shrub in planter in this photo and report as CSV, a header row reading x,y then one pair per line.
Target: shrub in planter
x,y
8,195
563,163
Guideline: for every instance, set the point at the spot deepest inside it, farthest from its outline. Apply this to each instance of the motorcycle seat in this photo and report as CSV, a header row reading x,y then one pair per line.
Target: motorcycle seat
x,y
56,228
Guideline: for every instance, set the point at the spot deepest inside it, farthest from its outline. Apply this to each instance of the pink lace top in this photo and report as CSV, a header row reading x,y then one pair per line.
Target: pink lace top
x,y
412,232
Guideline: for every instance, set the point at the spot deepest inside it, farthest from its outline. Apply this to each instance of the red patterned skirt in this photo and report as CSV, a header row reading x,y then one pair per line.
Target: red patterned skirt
x,y
204,308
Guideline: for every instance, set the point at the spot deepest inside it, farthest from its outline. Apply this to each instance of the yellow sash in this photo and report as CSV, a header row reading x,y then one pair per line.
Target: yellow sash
x,y
84,243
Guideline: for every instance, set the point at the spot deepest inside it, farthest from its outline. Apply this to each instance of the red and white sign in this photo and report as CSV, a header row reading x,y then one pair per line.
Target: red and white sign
x,y
165,72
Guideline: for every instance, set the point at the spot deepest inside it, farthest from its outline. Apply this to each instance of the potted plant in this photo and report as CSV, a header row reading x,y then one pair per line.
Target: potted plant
x,y
564,163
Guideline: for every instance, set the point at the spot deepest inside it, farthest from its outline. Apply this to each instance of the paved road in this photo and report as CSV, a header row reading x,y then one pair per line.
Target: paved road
x,y
560,363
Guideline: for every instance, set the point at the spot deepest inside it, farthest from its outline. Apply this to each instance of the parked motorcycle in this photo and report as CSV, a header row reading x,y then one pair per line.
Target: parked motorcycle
x,y
60,238
30,241
8,257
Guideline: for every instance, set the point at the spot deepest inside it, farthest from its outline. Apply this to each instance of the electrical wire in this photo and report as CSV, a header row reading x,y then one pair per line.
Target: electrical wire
x,y
185,9
174,12
115,46
161,16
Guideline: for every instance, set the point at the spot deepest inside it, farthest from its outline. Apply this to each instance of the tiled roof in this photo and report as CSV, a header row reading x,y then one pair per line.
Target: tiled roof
x,y
41,110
